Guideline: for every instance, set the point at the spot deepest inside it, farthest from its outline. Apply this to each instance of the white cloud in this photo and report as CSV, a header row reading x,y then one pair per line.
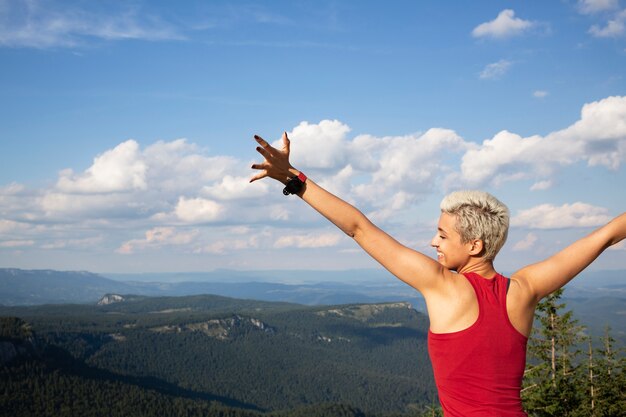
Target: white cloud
x,y
615,27
158,237
198,210
595,6
413,162
12,189
235,188
57,205
34,24
495,70
179,166
223,246
16,243
340,183
119,169
407,168
76,243
321,145
309,240
526,243
541,185
7,226
548,216
399,201
540,93
599,138
177,183
503,26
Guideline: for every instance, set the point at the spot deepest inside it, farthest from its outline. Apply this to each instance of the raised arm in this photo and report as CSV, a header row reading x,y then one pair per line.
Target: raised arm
x,y
553,273
412,267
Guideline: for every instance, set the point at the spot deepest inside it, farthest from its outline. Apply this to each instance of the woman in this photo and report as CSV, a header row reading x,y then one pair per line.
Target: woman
x,y
479,320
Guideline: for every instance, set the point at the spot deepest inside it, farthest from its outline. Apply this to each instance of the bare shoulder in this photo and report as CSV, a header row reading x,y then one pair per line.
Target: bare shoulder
x,y
520,304
521,291
454,306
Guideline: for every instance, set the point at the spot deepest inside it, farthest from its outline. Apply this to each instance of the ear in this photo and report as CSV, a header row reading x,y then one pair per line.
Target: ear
x,y
476,246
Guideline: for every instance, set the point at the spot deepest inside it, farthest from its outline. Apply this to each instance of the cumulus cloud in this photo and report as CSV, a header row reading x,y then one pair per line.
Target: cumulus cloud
x,y
158,237
599,138
235,188
129,182
615,27
167,186
540,94
180,166
309,240
504,26
341,182
49,25
541,185
321,145
198,210
7,226
595,6
406,169
495,70
16,243
223,246
57,205
526,243
548,216
119,169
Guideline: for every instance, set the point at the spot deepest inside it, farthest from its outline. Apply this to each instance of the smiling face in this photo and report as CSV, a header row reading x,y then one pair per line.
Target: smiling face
x,y
451,251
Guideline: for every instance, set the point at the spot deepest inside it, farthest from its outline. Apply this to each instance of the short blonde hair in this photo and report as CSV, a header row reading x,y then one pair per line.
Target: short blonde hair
x,y
479,215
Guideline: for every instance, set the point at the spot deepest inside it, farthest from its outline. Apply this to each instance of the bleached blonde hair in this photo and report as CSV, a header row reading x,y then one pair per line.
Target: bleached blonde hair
x,y
479,215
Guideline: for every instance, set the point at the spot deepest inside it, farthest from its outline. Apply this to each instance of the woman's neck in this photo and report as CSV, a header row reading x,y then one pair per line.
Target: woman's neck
x,y
479,266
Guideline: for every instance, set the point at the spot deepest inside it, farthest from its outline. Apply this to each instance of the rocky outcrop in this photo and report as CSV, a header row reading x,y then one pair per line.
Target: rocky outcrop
x,y
111,299
221,329
363,312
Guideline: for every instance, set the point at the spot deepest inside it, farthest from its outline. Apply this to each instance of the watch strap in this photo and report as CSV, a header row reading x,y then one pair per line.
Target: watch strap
x,y
295,184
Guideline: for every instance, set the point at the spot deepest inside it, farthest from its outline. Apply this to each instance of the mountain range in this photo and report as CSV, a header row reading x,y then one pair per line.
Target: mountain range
x,y
598,298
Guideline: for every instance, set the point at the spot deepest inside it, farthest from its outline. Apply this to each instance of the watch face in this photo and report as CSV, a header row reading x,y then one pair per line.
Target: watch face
x,y
294,186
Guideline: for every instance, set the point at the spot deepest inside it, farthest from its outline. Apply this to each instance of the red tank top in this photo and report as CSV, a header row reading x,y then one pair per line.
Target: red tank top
x,y
478,371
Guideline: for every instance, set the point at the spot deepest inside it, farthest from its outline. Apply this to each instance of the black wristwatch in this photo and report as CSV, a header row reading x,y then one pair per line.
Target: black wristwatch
x,y
295,184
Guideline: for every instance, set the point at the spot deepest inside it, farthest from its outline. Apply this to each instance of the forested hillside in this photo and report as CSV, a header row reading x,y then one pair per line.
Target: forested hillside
x,y
207,355
218,356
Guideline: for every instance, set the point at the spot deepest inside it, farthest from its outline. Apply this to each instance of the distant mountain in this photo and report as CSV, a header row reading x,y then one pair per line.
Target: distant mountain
x,y
598,298
24,287
30,287
186,355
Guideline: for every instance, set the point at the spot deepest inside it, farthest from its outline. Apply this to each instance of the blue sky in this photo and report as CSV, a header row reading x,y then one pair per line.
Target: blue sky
x,y
126,127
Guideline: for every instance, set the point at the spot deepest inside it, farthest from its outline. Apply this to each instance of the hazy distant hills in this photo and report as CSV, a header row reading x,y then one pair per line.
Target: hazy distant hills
x,y
24,287
29,287
597,298
190,355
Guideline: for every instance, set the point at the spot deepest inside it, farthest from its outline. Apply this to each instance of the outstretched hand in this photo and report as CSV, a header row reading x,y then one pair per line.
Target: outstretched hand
x,y
276,164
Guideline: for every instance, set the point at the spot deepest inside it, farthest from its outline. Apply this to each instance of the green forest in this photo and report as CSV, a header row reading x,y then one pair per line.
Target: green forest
x,y
216,356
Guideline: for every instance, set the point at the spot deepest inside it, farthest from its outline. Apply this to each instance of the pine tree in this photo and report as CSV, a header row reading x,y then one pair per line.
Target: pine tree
x,y
552,380
610,381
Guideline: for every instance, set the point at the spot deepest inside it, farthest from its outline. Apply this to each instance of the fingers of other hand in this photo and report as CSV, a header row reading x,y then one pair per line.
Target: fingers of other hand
x,y
261,174
258,176
273,157
263,150
262,142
